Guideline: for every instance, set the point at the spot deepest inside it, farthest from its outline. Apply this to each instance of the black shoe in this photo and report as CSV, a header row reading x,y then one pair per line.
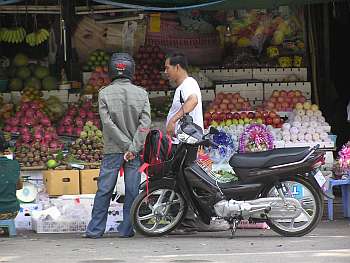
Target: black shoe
x,y
89,236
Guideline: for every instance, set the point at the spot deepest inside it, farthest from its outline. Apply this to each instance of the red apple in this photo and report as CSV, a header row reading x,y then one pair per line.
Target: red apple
x,y
283,93
244,115
280,99
268,121
272,114
226,101
207,115
265,114
223,106
229,115
215,116
302,99
222,116
297,93
220,96
251,115
288,99
270,105
291,94
236,115
276,120
295,100
236,95
275,93
231,106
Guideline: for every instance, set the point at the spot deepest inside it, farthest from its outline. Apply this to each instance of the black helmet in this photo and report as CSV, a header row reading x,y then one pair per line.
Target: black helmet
x,y
121,65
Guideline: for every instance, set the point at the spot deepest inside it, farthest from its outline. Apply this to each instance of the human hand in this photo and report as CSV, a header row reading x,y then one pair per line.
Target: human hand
x,y
170,129
129,156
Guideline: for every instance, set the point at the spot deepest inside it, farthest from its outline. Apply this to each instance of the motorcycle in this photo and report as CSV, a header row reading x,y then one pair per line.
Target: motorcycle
x,y
282,187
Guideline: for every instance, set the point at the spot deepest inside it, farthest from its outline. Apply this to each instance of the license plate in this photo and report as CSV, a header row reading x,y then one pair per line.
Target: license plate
x,y
321,180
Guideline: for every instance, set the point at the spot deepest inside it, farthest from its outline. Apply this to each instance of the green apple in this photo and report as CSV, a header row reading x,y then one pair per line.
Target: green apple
x,y
259,121
246,120
222,124
240,121
214,124
234,121
228,122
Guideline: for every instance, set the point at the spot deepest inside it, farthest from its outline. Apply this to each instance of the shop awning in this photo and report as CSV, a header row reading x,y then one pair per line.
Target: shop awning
x,y
8,2
173,5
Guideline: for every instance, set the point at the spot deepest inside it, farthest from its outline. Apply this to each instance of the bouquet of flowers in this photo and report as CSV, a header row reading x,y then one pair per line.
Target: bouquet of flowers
x,y
341,167
255,138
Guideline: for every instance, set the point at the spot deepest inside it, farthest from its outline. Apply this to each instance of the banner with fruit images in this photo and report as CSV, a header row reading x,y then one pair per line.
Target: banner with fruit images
x,y
263,37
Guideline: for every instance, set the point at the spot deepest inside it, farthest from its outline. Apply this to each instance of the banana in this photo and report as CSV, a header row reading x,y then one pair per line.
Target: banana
x,y
45,32
17,36
38,38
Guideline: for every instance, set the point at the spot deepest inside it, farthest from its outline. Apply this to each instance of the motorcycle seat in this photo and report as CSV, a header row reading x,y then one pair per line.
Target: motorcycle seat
x,y
268,158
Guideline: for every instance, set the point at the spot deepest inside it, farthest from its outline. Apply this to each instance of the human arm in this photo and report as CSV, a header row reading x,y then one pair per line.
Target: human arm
x,y
19,184
142,129
188,106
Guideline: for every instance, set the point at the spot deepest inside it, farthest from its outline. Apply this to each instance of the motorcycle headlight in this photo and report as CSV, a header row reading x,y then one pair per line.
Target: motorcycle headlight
x,y
183,137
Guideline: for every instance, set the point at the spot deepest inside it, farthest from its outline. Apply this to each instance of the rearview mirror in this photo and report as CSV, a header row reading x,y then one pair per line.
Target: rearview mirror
x,y
213,130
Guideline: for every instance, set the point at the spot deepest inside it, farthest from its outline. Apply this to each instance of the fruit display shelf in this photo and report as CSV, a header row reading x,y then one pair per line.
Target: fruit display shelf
x,y
227,74
303,86
263,74
280,74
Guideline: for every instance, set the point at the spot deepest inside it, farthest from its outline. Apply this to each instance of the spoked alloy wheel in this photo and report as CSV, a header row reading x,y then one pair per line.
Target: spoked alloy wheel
x,y
158,213
311,209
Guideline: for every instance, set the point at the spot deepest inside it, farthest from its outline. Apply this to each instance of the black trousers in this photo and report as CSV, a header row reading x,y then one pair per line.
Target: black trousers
x,y
190,220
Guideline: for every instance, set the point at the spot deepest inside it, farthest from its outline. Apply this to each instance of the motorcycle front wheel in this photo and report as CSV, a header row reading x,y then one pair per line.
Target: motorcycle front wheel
x,y
311,203
159,212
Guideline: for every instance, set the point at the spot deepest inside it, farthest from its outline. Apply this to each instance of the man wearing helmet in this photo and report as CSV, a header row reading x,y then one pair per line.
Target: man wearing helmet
x,y
125,115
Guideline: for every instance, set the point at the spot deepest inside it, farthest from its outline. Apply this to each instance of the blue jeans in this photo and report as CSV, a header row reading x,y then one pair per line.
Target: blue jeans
x,y
107,180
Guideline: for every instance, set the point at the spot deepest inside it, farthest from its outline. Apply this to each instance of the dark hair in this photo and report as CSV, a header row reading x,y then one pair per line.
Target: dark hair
x,y
178,59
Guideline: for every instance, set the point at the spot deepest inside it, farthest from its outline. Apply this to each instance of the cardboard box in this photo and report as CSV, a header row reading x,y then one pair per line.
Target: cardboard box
x,y
88,181
61,182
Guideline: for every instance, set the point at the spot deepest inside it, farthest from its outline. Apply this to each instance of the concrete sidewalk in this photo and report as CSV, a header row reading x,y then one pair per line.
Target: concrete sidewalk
x,y
330,242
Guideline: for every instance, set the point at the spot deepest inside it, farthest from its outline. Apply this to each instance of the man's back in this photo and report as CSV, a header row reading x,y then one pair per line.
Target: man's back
x,y
125,103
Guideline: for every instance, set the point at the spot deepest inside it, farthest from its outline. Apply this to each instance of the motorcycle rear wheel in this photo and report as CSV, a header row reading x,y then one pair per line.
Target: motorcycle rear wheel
x,y
159,212
311,202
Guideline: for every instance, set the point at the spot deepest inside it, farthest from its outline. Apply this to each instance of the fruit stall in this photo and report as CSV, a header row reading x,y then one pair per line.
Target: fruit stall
x,y
251,65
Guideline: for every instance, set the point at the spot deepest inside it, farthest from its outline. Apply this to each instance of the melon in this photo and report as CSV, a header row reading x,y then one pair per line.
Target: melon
x,y
16,84
49,83
41,72
23,72
20,60
33,82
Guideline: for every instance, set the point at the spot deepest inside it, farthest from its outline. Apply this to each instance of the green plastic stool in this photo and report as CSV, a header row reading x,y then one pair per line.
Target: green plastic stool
x,y
10,225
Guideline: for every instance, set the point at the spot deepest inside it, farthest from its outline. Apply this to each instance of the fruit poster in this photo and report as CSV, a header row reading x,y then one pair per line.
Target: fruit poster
x,y
263,38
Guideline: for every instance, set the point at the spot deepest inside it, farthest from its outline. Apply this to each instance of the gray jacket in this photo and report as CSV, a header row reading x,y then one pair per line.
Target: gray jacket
x,y
125,114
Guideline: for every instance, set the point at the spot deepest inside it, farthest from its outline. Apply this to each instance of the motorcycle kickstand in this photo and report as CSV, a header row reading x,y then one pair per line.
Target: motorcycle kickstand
x,y
233,227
